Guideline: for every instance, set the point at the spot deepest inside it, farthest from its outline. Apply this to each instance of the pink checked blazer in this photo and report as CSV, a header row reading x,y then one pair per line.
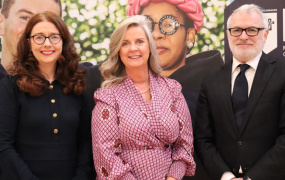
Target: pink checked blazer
x,y
133,139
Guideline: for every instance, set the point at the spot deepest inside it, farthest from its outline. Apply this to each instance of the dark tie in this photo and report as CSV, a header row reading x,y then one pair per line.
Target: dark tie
x,y
240,94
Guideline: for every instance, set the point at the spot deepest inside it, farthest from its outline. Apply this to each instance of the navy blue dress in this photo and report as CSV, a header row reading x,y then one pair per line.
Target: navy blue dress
x,y
2,72
46,137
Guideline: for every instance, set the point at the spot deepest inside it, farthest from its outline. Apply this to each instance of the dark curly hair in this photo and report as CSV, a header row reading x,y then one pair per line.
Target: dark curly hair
x,y
25,66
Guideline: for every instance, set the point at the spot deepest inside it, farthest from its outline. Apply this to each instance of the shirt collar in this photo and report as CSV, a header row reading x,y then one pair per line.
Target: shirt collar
x,y
253,62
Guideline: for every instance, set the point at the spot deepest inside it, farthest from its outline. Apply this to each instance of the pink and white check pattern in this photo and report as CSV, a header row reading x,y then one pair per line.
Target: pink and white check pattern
x,y
133,139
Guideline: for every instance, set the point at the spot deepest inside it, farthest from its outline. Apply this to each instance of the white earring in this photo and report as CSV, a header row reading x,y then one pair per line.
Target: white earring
x,y
189,44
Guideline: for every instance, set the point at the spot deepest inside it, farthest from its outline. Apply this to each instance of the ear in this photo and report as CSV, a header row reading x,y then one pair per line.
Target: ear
x,y
2,22
228,33
266,34
190,37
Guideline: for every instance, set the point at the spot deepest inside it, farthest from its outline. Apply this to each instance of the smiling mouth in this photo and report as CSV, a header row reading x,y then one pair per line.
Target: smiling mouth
x,y
47,53
134,57
247,43
244,45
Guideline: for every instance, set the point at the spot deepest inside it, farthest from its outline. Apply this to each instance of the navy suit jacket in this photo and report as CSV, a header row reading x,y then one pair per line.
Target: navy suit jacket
x,y
259,145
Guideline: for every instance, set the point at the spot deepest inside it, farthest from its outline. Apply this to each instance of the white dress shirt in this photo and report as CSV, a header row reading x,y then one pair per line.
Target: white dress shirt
x,y
249,73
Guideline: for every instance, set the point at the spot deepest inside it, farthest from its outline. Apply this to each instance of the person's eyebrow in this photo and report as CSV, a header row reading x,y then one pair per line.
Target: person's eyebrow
x,y
25,11
50,34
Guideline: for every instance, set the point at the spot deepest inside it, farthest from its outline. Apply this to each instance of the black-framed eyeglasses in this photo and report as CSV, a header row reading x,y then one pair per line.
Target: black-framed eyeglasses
x,y
40,39
168,24
251,31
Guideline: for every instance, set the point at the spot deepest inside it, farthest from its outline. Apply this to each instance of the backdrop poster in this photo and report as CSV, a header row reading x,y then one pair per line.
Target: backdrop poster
x,y
92,22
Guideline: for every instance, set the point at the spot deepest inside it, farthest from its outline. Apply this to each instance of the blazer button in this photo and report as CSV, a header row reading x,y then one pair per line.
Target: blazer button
x,y
50,87
52,101
54,115
240,143
55,131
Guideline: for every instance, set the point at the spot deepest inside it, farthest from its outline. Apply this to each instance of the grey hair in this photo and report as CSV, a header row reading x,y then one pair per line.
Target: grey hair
x,y
113,70
250,8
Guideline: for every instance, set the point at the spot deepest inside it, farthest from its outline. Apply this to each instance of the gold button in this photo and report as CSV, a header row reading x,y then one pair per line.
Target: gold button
x,y
54,115
50,86
55,131
52,101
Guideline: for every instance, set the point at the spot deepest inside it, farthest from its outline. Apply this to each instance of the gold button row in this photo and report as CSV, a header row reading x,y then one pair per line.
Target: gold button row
x,y
55,131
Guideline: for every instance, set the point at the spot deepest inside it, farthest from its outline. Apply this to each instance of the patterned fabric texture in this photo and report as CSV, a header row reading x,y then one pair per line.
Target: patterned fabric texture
x,y
133,139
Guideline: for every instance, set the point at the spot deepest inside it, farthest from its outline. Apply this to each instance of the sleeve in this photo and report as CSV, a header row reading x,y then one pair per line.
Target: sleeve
x,y
204,137
182,155
271,165
106,140
12,165
85,169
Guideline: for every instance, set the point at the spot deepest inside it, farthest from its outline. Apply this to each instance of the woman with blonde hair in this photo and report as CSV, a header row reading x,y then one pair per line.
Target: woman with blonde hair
x,y
141,125
175,26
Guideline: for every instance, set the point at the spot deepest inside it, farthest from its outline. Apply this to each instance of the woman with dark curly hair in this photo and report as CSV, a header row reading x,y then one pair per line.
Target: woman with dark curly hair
x,y
44,127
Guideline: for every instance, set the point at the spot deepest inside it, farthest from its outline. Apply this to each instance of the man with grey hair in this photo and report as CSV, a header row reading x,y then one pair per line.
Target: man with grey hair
x,y
240,125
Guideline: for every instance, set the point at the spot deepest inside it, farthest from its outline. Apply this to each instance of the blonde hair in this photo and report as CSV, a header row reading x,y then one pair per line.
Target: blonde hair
x,y
113,70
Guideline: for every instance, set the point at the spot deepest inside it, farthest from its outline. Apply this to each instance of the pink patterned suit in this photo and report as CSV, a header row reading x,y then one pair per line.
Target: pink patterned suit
x,y
133,139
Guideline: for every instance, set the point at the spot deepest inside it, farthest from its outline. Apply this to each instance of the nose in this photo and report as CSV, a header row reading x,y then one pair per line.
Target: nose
x,y
134,47
156,34
243,35
47,42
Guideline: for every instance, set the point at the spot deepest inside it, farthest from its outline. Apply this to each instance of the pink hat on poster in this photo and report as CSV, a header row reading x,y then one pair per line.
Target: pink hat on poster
x,y
192,8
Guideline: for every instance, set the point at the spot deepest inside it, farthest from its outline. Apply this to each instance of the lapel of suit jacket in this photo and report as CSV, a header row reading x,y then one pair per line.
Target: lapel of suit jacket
x,y
263,73
225,78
